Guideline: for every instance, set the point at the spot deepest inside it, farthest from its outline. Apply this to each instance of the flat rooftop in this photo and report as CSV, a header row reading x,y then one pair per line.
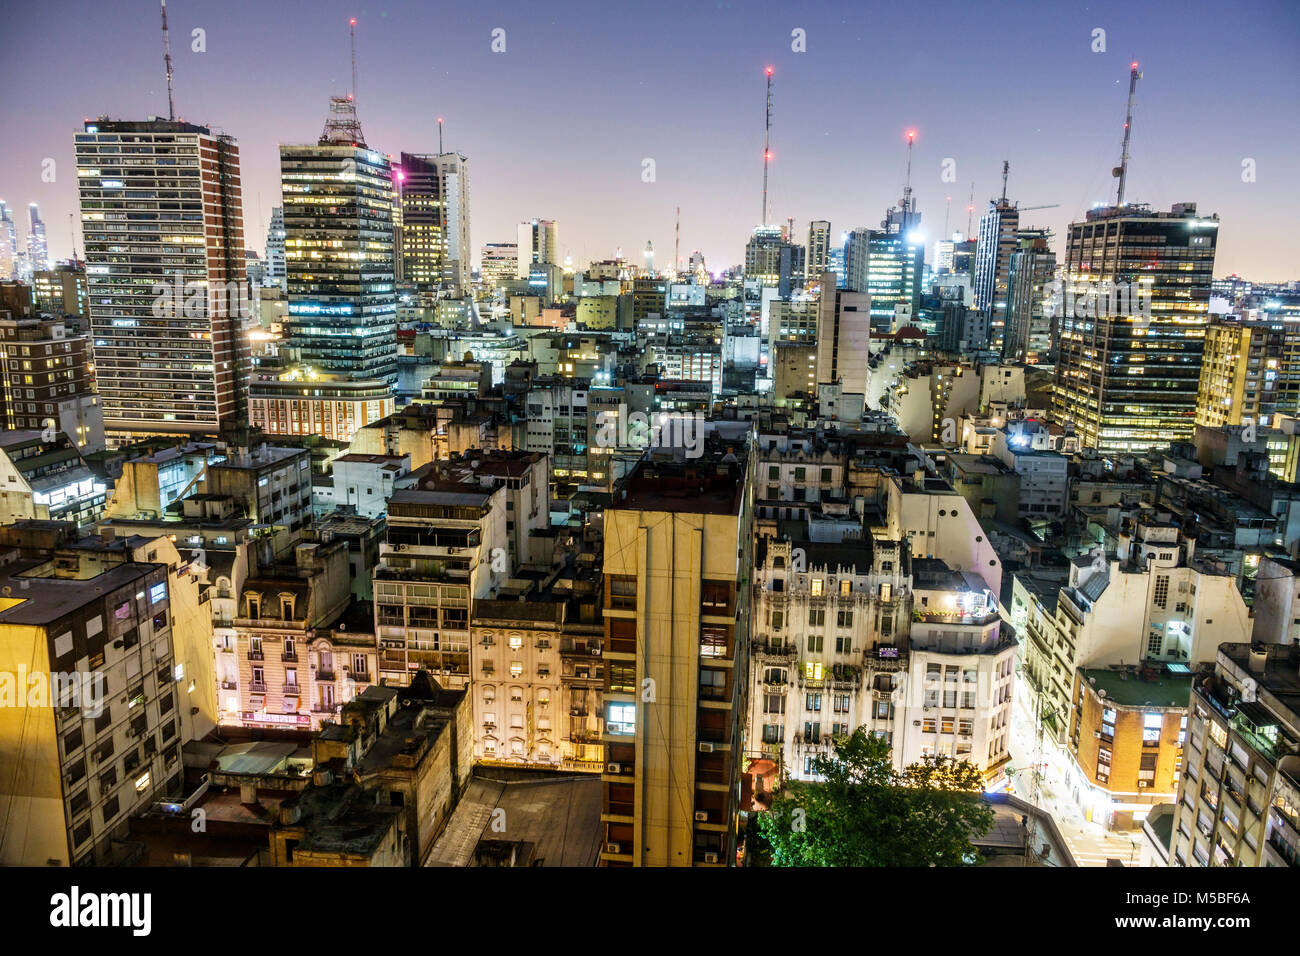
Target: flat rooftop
x,y
1129,689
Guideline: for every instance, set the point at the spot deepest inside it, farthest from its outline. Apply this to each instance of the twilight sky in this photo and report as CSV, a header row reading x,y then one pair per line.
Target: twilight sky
x,y
559,124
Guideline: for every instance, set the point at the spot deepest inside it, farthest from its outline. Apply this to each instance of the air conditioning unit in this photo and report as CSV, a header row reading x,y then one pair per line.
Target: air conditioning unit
x,y
702,816
917,723
1097,733
1144,784
613,848
613,768
710,858
706,747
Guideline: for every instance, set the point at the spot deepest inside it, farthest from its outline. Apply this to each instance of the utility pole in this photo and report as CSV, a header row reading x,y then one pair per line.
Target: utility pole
x,y
767,145
1121,171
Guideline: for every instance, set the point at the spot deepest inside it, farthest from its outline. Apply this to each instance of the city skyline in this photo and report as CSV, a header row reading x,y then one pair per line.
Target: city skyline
x,y
1063,103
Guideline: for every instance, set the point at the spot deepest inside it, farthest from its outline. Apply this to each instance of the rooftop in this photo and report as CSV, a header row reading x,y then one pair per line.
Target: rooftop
x,y
1129,688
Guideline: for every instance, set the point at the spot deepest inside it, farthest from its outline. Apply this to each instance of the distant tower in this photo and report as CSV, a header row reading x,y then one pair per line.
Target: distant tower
x,y
275,250
649,257
767,145
38,253
1121,171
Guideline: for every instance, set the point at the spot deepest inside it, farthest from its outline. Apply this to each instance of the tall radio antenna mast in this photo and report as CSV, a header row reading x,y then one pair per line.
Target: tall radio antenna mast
x,y
352,40
167,61
767,141
1121,171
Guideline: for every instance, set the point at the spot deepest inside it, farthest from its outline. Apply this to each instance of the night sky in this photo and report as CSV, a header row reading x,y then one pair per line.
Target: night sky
x,y
558,125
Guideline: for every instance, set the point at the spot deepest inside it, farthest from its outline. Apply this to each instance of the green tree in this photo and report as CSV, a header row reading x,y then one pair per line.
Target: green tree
x,y
866,813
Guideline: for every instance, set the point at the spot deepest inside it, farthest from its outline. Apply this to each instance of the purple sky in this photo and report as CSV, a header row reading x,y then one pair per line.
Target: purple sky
x,y
559,124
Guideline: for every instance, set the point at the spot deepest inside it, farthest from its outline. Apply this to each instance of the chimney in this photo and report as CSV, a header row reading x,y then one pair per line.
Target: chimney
x,y
1258,658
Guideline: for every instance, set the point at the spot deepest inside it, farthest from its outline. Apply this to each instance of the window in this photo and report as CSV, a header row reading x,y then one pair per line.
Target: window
x,y
1151,726
158,593
929,725
844,619
812,702
620,718
816,617
812,670
815,644
816,587
846,588
774,703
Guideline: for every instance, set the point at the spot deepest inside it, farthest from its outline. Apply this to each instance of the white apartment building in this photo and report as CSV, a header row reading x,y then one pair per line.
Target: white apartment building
x,y
859,634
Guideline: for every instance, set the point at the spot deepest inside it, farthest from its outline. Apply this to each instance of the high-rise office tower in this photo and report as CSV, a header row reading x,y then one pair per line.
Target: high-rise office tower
x,y
165,281
765,253
997,240
678,559
538,245
1133,315
38,251
843,337
275,234
499,265
433,194
856,259
1029,335
895,262
8,243
338,222
819,248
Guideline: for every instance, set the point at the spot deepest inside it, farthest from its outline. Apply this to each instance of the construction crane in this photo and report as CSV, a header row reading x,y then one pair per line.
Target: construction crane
x,y
1050,205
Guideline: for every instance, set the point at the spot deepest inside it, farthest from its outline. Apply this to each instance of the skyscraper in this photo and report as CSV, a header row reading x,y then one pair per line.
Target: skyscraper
x,y
275,235
1029,335
538,245
433,194
338,221
1133,315
997,240
165,281
819,248
38,251
8,243
895,262
499,265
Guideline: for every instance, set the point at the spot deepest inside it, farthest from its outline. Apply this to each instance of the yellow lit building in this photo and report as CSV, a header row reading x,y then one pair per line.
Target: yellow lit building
x,y
678,554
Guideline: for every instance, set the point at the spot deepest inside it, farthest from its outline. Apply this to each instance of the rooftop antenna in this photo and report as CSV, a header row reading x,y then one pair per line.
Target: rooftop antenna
x,y
439,135
907,188
970,210
1006,168
352,40
72,233
1121,171
767,140
167,61
789,229
947,214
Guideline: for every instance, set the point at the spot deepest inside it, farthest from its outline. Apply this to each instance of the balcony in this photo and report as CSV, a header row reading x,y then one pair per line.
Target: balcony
x,y
257,687
289,657
571,648
325,673
256,656
229,685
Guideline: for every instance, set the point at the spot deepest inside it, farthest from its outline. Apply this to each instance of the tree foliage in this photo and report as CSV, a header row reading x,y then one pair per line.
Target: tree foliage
x,y
867,813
